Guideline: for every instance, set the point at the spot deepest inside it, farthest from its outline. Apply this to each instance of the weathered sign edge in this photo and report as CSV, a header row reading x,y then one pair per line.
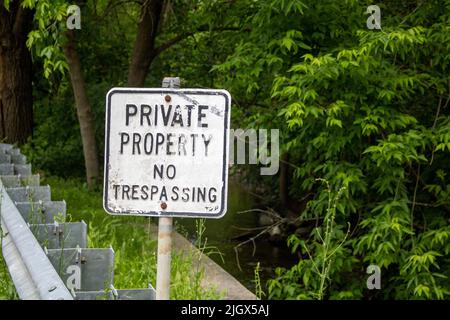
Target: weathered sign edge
x,y
223,207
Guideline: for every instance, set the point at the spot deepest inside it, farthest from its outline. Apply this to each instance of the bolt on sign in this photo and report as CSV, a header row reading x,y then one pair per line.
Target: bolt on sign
x,y
166,152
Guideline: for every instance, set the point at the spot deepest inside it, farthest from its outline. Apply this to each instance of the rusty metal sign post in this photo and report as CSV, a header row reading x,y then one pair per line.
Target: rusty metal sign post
x,y
166,155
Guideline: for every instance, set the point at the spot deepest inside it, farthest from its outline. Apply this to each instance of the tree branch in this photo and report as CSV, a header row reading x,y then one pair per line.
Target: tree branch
x,y
183,36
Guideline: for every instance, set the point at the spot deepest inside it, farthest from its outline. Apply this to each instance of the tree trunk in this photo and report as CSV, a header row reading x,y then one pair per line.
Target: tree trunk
x,y
16,100
144,46
83,111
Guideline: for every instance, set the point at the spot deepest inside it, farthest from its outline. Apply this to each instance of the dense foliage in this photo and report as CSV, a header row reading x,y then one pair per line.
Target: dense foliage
x,y
368,112
363,114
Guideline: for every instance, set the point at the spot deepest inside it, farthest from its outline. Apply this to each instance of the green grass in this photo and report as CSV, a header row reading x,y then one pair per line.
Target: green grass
x,y
135,251
7,290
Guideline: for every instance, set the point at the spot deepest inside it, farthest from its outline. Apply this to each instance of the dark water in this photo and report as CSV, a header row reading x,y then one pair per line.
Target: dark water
x,y
221,232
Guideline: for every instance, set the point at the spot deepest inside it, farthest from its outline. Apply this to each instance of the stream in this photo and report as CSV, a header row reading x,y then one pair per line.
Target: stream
x,y
219,235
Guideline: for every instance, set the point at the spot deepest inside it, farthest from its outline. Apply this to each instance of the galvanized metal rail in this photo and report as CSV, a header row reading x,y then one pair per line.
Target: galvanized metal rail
x,y
48,258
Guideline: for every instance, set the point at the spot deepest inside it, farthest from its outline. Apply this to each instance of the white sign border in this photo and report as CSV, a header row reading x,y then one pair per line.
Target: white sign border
x,y
164,213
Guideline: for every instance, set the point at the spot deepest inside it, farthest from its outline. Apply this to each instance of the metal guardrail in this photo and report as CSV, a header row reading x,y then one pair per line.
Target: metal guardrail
x,y
47,258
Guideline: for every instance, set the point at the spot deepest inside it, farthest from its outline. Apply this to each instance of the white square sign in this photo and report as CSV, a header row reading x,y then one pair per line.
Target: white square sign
x,y
166,152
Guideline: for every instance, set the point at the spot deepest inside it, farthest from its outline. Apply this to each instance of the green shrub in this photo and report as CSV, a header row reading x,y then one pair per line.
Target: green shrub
x,y
365,110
